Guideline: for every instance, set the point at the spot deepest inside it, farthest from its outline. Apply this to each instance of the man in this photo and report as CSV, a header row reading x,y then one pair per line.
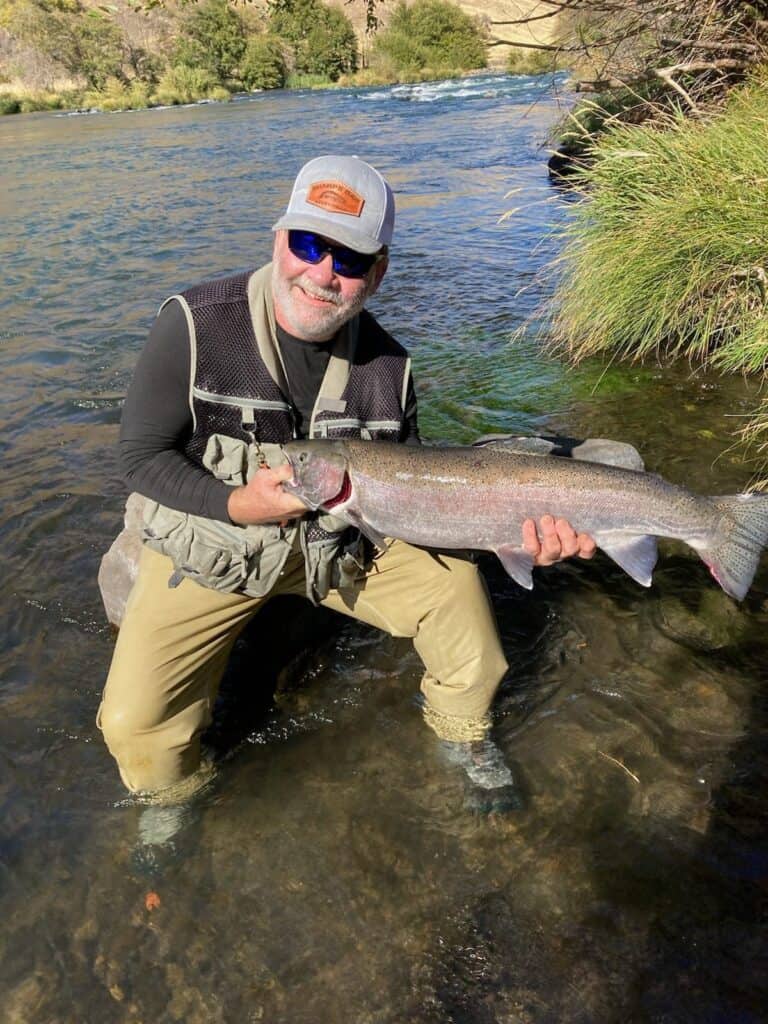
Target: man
x,y
234,368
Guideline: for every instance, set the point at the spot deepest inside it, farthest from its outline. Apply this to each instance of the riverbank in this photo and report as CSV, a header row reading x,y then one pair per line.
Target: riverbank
x,y
665,257
182,88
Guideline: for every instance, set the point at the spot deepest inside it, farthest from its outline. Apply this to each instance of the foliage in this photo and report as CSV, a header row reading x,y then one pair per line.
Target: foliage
x,y
213,38
263,65
183,84
523,61
87,43
322,39
690,53
430,33
116,95
667,253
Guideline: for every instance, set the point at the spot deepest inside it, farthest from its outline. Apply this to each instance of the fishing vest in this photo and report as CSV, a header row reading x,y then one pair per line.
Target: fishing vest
x,y
237,396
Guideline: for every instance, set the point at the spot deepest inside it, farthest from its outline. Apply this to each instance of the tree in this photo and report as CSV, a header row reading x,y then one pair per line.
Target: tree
x,y
85,42
322,38
431,33
263,66
213,37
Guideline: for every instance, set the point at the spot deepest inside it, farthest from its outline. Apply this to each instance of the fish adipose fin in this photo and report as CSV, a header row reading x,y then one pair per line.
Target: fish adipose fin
x,y
635,554
734,554
518,563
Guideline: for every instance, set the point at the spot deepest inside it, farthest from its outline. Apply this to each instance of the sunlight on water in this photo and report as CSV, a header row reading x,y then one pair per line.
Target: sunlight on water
x,y
336,869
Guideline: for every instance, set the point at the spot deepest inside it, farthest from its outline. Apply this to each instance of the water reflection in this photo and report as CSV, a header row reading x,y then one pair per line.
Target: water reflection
x,y
333,871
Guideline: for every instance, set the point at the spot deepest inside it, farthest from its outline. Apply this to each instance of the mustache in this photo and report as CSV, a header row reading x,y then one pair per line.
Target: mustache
x,y
319,293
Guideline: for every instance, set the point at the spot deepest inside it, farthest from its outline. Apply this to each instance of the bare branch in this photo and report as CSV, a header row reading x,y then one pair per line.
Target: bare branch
x,y
693,44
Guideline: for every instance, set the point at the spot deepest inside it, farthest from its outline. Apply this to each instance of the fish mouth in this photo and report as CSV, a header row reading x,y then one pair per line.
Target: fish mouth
x,y
342,496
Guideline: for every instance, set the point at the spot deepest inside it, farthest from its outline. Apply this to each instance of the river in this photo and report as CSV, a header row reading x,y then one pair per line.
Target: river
x,y
334,872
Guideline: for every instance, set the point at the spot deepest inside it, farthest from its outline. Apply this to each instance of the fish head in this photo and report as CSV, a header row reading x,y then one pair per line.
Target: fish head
x,y
320,476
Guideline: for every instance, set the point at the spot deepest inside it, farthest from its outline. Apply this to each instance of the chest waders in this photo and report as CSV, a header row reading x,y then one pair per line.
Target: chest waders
x,y
241,417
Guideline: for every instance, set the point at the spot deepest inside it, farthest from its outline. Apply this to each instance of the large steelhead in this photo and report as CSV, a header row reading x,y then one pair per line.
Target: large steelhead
x,y
477,498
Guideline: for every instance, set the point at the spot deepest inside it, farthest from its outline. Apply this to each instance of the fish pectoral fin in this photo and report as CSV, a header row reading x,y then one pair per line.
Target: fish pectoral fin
x,y
377,539
518,563
635,554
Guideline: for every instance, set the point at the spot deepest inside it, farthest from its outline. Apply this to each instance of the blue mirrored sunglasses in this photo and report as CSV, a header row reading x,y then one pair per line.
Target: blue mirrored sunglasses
x,y
311,248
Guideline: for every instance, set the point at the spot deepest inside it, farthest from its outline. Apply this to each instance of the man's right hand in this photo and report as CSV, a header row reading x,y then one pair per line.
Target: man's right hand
x,y
263,500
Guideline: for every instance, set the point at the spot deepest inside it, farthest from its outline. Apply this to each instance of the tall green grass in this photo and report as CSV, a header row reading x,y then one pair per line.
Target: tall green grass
x,y
667,254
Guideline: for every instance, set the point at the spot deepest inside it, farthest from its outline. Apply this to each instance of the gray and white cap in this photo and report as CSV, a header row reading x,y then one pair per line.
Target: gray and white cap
x,y
344,199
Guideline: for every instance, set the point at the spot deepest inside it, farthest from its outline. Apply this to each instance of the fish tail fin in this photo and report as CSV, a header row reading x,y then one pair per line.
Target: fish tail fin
x,y
741,535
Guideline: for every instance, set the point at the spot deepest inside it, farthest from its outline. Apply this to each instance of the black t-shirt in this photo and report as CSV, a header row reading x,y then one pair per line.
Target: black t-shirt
x,y
305,364
157,421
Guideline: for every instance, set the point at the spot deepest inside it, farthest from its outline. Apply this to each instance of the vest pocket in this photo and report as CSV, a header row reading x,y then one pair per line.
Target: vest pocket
x,y
213,554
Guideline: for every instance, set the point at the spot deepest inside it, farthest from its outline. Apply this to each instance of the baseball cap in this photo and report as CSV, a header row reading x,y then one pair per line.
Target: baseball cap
x,y
344,199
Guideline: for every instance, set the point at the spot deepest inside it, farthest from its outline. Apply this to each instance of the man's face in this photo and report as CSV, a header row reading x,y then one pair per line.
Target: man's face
x,y
311,301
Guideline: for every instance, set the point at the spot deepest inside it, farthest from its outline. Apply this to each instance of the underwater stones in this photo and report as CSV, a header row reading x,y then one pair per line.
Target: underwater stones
x,y
716,623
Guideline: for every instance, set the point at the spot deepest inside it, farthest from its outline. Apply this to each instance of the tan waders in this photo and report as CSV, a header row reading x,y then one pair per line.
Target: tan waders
x,y
174,644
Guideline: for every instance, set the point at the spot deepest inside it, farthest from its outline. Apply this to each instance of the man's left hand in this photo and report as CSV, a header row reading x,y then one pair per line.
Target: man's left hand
x,y
554,540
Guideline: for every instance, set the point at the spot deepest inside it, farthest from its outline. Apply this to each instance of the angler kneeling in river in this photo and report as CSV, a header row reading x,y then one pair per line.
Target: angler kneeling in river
x,y
234,368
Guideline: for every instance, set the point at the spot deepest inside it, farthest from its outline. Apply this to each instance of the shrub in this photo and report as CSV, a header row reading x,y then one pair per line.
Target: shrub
x,y
263,65
117,95
322,39
430,33
213,39
523,61
183,84
9,105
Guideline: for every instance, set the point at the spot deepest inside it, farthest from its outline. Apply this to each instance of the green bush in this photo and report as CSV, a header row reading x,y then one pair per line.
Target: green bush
x,y
263,65
322,39
523,61
9,105
118,96
212,38
183,84
430,33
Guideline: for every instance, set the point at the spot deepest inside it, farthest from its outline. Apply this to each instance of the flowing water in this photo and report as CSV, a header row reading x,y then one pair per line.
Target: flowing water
x,y
335,871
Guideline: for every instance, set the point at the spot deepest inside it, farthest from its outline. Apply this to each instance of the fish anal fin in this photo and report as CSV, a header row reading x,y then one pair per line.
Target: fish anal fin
x,y
635,554
518,564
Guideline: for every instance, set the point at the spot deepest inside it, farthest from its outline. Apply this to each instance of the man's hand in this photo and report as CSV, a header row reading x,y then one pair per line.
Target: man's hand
x,y
557,540
263,500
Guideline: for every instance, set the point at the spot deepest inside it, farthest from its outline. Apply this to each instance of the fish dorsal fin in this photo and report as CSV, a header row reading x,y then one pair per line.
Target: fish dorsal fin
x,y
635,554
594,449
518,563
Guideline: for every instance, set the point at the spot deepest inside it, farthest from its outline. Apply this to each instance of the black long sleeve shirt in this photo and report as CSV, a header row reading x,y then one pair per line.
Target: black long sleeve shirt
x,y
157,422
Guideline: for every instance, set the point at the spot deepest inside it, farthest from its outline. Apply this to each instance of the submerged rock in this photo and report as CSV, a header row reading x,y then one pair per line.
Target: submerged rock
x,y
714,623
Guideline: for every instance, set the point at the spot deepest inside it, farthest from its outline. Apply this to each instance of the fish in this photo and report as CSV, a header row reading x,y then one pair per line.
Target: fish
x,y
469,497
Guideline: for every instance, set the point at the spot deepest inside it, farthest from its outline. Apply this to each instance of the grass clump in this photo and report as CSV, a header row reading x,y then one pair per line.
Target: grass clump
x,y
667,254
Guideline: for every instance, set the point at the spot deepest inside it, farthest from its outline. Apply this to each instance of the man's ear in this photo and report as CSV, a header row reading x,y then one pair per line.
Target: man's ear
x,y
378,271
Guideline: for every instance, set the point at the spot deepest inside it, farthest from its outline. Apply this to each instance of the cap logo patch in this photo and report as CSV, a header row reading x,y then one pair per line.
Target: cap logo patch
x,y
336,197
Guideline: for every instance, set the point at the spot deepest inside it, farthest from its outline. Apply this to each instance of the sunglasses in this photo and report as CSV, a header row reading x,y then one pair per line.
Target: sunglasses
x,y
311,248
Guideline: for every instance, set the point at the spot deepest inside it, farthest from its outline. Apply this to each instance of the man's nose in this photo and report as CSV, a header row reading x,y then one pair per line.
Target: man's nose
x,y
322,273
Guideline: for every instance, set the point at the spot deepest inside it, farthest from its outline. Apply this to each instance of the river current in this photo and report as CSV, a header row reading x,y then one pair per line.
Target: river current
x,y
335,872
